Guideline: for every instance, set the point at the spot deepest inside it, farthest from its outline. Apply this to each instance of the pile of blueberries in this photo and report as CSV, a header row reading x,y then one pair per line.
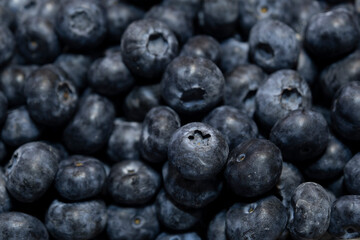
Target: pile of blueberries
x,y
179,119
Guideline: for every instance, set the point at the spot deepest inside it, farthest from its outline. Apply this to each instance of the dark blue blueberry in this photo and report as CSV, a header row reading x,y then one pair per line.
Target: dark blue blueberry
x,y
109,76
91,126
189,7
284,91
37,41
192,85
345,111
48,9
235,126
19,226
309,212
331,35
202,46
351,175
23,9
265,219
81,24
76,221
189,193
253,167
124,141
19,128
132,182
140,100
3,152
7,44
57,146
3,107
217,227
51,98
301,136
179,236
307,68
7,17
31,171
198,151
5,201
345,217
273,45
147,47
337,187
132,223
232,54
80,177
159,125
241,86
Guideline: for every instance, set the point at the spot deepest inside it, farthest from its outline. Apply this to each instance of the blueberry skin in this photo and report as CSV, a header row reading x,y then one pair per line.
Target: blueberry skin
x,y
37,41
283,91
140,100
273,46
345,116
95,118
48,10
265,219
173,216
19,128
179,236
132,182
7,44
21,226
189,193
124,141
243,173
337,187
192,85
159,125
109,76
7,17
50,97
307,68
80,177
331,35
81,24
31,171
351,173
203,46
217,227
232,54
301,136
189,7
147,47
12,81
198,151
235,126
345,222
75,221
5,200
132,223
309,212
331,164
3,107
241,86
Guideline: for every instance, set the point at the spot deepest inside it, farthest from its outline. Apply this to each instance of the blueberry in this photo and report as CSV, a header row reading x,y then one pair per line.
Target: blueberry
x,y
189,193
217,227
241,87
80,177
192,85
124,141
309,212
179,236
3,107
109,76
265,219
232,54
301,136
19,128
81,24
283,91
5,200
243,173
235,126
7,17
23,9
345,222
198,151
132,223
189,7
147,47
173,216
75,221
307,68
351,173
344,112
17,225
51,98
202,46
157,128
273,45
7,45
48,9
31,171
91,127
132,182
